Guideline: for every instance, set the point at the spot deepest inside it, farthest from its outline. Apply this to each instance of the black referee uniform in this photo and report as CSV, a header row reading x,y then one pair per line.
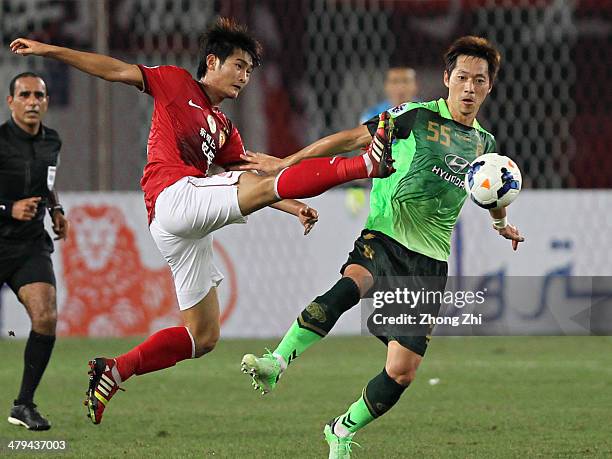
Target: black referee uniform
x,y
27,169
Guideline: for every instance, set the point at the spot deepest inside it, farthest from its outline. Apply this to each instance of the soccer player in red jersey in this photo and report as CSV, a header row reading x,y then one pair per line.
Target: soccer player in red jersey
x,y
185,202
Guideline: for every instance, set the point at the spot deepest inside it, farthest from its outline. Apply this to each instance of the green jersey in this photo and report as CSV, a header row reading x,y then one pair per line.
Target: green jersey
x,y
419,204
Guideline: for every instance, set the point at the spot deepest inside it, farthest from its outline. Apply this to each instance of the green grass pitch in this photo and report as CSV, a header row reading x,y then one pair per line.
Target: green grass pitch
x,y
497,397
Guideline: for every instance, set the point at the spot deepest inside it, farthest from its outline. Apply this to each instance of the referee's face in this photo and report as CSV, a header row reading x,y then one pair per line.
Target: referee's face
x,y
29,103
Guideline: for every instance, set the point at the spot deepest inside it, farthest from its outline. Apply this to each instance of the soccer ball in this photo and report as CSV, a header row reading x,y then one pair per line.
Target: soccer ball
x,y
493,181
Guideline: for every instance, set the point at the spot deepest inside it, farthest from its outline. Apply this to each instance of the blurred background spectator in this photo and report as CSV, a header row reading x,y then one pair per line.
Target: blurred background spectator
x,y
400,86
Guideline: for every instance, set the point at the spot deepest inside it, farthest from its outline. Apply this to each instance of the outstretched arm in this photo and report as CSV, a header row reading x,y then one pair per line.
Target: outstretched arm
x,y
335,144
338,143
307,215
104,67
500,224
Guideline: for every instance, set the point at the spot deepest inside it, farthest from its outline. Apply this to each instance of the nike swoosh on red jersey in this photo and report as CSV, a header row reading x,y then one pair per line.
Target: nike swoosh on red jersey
x,y
194,105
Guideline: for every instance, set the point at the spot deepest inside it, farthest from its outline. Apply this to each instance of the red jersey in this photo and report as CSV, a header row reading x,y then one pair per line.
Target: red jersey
x,y
187,132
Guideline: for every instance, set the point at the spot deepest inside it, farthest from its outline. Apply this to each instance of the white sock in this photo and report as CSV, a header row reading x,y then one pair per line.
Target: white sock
x,y
340,430
281,361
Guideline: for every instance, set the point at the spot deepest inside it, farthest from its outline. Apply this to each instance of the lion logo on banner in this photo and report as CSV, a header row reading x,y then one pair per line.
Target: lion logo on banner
x,y
109,291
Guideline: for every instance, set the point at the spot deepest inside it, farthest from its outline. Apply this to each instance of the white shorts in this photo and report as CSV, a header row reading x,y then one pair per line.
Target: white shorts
x,y
186,213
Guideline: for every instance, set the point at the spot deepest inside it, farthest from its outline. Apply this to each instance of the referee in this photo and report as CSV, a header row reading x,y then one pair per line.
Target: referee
x,y
28,160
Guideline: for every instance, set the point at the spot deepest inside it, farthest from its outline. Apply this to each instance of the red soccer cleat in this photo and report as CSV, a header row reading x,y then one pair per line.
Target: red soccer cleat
x,y
379,150
103,384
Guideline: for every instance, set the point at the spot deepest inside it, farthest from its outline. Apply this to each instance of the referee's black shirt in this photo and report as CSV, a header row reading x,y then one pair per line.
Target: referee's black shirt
x,y
25,162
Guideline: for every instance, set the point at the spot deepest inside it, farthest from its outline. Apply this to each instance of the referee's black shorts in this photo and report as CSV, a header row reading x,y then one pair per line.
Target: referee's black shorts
x,y
26,262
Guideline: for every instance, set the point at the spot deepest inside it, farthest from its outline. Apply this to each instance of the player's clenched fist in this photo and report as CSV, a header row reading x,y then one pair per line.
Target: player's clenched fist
x,y
27,47
25,209
61,226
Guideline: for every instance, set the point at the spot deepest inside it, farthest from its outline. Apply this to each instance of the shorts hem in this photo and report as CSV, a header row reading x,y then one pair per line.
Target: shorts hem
x,y
420,350
188,300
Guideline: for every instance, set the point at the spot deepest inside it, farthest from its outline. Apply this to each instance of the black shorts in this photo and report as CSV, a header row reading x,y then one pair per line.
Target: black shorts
x,y
23,263
393,266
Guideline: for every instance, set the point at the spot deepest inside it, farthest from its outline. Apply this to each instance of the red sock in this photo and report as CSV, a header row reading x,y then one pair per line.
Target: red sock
x,y
312,177
160,350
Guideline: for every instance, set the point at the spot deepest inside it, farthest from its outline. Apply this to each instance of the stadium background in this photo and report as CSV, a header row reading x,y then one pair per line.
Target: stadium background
x,y
324,64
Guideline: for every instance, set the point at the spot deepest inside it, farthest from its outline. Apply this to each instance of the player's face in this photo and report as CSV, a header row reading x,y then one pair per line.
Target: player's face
x,y
468,85
29,103
231,77
400,85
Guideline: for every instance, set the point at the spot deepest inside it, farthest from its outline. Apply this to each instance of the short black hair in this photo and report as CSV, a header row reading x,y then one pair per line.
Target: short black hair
x,y
25,75
475,47
222,38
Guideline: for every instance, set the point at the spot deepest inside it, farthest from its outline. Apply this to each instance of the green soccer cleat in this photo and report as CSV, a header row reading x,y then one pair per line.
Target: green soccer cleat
x,y
339,447
265,371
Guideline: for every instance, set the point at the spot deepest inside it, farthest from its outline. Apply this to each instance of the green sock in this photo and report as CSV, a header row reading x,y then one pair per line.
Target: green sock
x,y
318,318
357,417
295,341
381,393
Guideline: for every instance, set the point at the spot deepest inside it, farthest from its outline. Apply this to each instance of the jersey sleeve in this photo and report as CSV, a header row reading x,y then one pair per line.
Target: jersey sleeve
x,y
403,116
163,82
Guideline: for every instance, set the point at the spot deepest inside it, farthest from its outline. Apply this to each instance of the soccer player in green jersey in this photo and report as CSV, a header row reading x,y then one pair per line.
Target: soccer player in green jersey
x,y
408,230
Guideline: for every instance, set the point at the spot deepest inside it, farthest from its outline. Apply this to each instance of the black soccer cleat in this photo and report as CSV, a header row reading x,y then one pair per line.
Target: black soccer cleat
x,y
27,415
